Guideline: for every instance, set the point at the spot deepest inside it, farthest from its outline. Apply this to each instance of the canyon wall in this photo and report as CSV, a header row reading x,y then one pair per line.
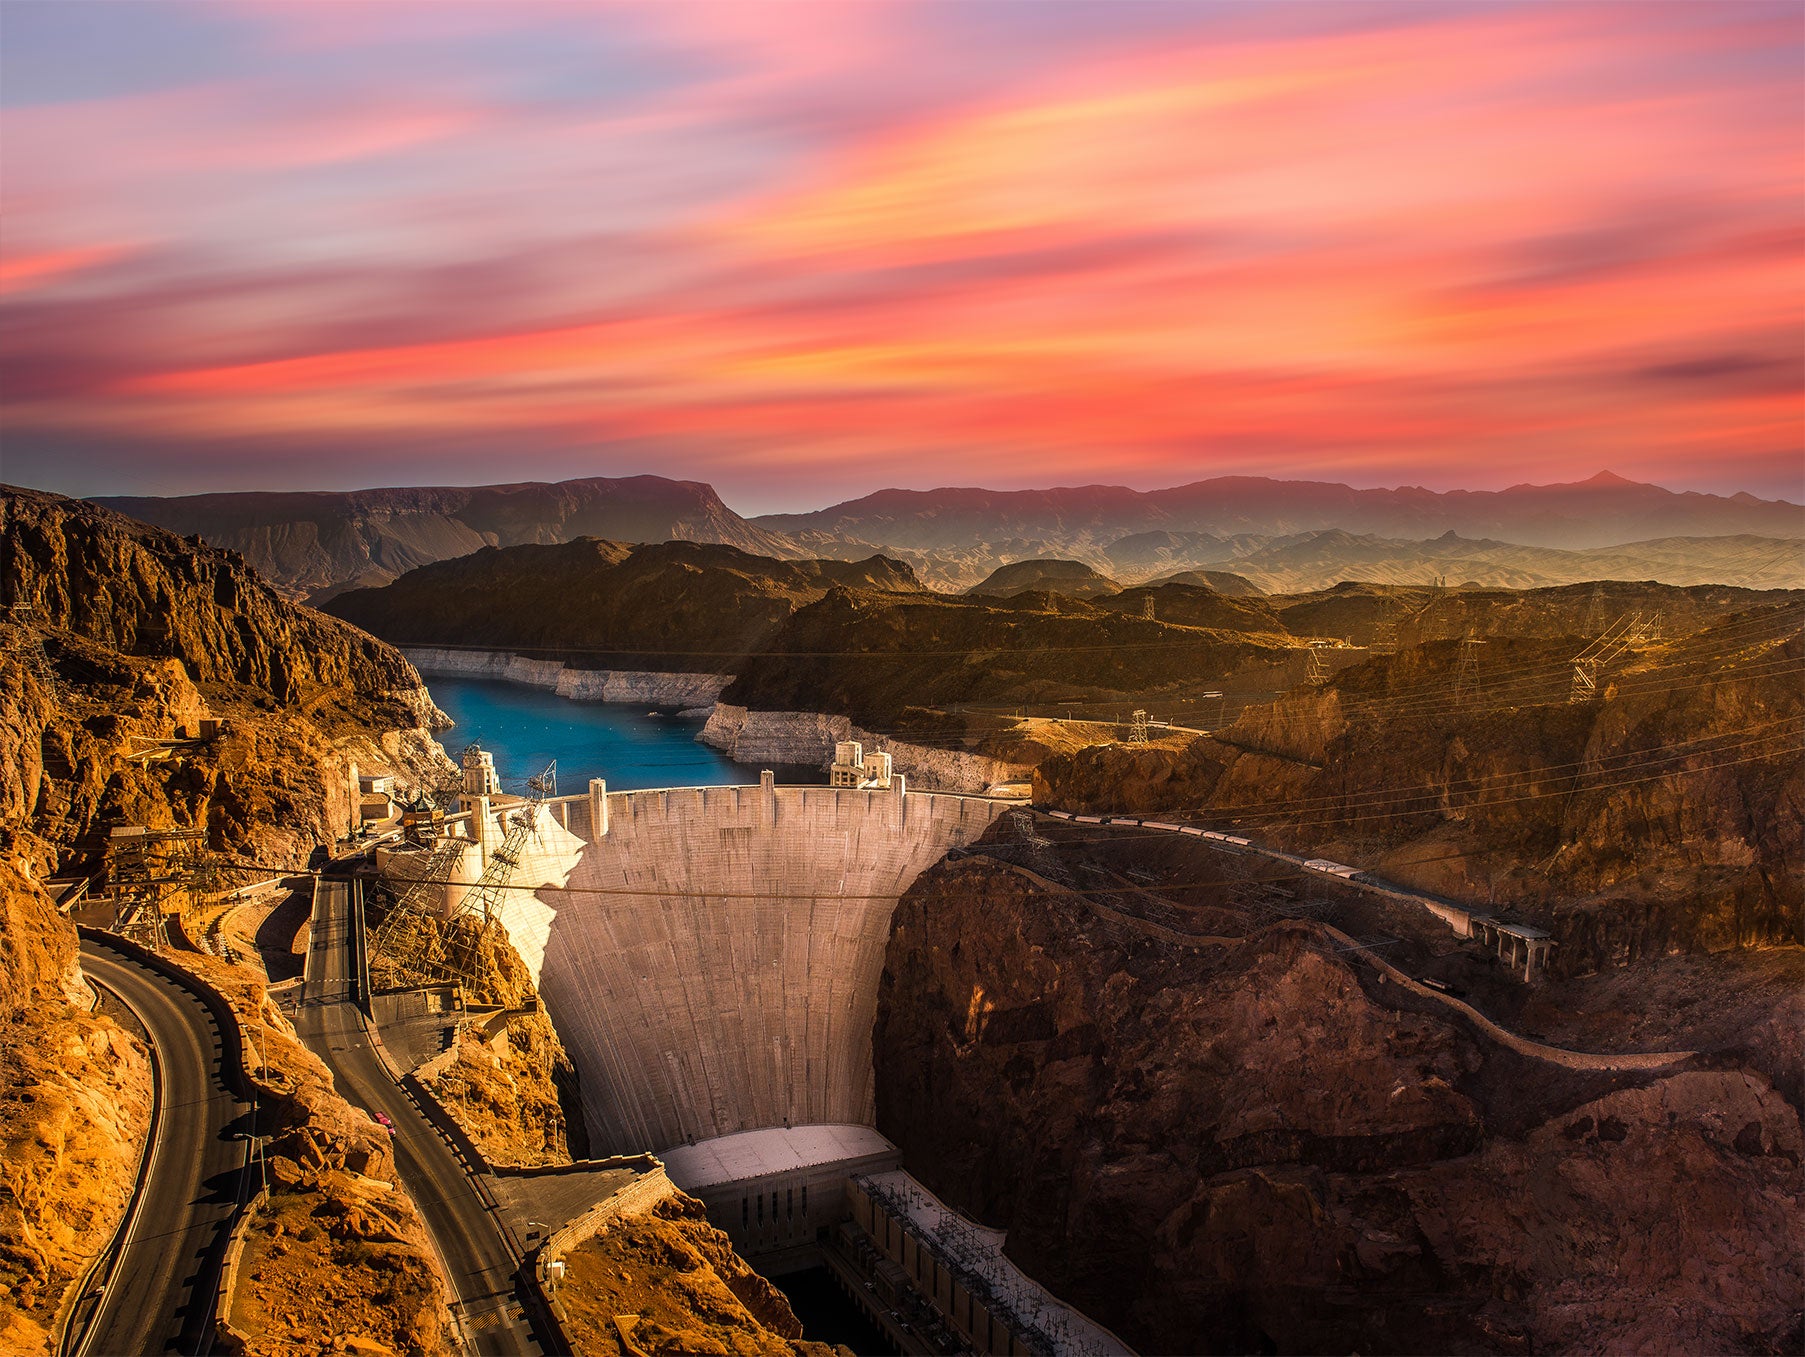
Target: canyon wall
x,y
1245,1144
799,739
124,634
715,965
638,686
121,640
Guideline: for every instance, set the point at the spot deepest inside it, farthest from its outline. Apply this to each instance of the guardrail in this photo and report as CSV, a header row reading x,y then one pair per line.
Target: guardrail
x,y
229,1338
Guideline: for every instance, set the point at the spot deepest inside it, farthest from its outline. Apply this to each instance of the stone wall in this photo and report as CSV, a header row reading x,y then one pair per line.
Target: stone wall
x,y
583,685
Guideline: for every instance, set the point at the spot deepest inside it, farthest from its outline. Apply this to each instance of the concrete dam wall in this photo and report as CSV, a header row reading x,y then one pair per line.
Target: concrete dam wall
x,y
723,976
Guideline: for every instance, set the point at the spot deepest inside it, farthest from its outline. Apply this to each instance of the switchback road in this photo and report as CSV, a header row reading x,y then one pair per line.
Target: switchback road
x,y
159,1288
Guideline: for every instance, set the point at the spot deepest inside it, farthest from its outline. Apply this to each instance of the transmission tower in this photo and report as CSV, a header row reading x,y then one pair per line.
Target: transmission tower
x,y
1623,635
407,940
1466,675
1594,619
1316,669
1147,607
145,867
1385,630
413,937
1137,727
470,921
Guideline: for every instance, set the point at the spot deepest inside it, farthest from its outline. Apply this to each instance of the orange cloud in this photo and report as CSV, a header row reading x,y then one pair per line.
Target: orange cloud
x,y
21,272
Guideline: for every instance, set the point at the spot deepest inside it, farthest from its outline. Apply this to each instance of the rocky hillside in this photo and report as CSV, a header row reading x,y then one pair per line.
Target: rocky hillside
x,y
1222,581
316,544
877,658
670,606
1301,535
1667,814
666,1283
1074,579
1416,614
1216,1132
121,640
124,635
72,1122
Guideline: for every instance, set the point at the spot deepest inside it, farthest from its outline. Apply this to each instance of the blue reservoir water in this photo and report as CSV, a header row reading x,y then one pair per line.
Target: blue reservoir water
x,y
526,728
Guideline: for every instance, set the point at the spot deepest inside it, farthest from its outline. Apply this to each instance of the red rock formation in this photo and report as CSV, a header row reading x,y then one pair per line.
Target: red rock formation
x,y
1247,1145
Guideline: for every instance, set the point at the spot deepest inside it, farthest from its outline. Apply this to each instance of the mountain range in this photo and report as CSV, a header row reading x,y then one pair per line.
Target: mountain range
x,y
1604,511
1281,535
316,544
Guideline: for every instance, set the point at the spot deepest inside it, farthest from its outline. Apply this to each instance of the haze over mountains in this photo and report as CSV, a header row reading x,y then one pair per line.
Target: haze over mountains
x,y
317,543
1280,535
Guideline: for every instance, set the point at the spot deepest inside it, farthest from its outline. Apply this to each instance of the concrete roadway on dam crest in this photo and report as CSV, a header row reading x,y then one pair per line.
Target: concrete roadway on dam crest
x,y
157,1286
477,1260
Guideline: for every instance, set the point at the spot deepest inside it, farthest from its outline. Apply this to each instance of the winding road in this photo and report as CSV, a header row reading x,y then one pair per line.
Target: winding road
x,y
480,1266
157,1285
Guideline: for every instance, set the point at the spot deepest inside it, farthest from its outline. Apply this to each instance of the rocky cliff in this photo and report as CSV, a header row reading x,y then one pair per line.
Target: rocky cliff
x,y
1573,613
126,638
1073,521
76,1106
1216,1134
122,640
666,1283
1667,814
891,661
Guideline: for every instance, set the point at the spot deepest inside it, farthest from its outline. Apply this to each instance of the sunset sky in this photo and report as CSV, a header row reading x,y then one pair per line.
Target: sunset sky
x,y
808,250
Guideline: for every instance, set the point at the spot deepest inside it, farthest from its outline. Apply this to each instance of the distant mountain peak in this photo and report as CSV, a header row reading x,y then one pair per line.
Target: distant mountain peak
x,y
1605,478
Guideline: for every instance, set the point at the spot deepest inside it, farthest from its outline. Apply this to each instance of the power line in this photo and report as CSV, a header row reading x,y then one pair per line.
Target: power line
x,y
1101,836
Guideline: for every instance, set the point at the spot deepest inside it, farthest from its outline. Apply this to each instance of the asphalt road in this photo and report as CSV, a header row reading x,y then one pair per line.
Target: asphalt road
x,y
159,1297
477,1261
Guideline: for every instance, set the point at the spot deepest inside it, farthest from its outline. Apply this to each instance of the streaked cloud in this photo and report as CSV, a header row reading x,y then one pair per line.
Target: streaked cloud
x,y
805,250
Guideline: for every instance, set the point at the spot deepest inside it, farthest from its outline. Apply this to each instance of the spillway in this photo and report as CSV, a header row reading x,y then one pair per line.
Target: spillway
x,y
713,964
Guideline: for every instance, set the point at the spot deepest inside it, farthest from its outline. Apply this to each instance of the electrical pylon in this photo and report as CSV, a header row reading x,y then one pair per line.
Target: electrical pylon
x,y
1623,635
1593,623
1466,675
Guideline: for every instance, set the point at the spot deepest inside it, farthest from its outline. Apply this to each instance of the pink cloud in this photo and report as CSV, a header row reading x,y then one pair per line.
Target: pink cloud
x,y
1511,239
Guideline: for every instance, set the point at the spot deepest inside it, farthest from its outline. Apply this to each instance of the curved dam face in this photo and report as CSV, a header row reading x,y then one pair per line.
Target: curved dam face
x,y
723,976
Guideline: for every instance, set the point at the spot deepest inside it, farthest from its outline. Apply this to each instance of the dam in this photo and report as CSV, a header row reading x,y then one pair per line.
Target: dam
x,y
712,960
